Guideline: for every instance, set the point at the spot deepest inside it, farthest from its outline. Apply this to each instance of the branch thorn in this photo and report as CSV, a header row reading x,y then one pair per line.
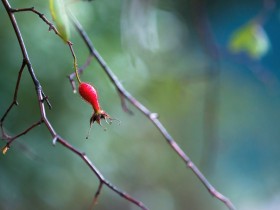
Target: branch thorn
x,y
54,140
153,116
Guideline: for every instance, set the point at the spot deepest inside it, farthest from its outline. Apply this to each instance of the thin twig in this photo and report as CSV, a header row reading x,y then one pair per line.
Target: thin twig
x,y
97,193
41,15
11,139
151,116
14,102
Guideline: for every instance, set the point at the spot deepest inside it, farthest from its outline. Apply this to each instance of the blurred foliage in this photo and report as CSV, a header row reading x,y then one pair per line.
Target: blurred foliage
x,y
60,18
250,39
161,60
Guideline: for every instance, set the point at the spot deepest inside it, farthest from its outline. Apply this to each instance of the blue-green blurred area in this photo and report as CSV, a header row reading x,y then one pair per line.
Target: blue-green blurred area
x,y
222,110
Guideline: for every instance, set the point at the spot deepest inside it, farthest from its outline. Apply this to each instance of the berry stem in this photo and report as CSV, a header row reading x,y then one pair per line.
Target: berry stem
x,y
76,69
75,62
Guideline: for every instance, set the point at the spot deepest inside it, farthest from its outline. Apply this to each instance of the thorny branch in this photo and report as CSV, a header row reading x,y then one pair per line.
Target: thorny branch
x,y
42,16
41,99
153,117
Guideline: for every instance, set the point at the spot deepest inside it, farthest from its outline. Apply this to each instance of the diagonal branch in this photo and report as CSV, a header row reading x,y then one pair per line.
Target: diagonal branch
x,y
153,117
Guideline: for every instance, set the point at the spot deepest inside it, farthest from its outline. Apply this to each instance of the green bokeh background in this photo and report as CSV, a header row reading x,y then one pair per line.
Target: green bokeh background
x,y
133,155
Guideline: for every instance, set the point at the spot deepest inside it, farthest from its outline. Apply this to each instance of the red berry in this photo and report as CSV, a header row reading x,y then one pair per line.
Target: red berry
x,y
89,94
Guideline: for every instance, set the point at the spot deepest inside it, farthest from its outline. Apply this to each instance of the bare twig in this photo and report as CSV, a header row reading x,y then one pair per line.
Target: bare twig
x,y
42,98
14,102
153,117
97,194
11,139
41,15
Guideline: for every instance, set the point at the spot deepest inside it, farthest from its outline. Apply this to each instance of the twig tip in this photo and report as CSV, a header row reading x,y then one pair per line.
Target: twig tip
x,y
5,149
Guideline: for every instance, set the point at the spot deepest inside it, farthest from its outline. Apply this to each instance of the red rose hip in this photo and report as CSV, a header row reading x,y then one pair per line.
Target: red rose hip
x,y
89,94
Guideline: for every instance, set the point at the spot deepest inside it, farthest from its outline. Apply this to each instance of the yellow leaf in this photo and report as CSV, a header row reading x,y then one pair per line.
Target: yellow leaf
x,y
250,39
58,12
